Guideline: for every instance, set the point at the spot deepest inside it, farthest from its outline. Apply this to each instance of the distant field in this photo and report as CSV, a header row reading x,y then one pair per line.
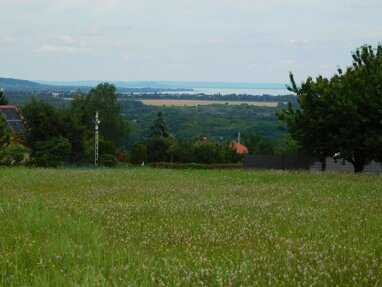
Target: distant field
x,y
153,227
190,103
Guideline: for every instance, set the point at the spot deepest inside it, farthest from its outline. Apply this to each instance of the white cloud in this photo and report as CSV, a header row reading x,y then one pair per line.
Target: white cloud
x,y
67,39
62,49
175,67
288,62
128,57
299,43
7,40
259,67
64,44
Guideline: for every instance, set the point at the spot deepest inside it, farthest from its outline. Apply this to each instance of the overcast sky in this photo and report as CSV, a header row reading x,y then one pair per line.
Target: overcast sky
x,y
183,40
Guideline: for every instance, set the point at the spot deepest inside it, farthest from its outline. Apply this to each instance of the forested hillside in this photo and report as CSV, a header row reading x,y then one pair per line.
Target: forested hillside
x,y
220,122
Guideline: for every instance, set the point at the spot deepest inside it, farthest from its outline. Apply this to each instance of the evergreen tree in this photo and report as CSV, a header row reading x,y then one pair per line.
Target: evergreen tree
x,y
159,127
3,98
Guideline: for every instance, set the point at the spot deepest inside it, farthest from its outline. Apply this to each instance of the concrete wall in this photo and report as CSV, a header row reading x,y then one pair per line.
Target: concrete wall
x,y
303,163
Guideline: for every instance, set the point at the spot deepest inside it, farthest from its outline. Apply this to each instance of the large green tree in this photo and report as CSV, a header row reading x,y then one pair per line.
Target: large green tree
x,y
49,130
103,98
343,114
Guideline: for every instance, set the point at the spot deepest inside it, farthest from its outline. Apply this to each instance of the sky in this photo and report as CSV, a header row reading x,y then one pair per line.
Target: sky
x,y
183,40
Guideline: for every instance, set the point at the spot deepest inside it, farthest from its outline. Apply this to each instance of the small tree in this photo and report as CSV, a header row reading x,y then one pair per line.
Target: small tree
x,y
158,148
183,152
138,154
258,144
209,153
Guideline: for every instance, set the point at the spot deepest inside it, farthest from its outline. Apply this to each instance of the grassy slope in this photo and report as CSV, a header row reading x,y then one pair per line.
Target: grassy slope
x,y
149,227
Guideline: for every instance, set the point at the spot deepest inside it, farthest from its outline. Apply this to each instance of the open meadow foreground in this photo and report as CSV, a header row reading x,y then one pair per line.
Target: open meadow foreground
x,y
153,227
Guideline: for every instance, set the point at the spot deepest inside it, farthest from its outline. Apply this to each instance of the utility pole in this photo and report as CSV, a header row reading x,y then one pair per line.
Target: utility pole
x,y
97,122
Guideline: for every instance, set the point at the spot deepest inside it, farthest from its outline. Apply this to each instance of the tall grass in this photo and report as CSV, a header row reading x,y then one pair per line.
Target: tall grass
x,y
152,227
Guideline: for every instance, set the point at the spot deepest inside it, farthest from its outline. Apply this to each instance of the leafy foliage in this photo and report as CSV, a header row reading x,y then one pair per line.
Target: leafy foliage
x,y
13,154
108,160
158,148
47,123
52,152
342,114
259,144
138,154
103,98
218,122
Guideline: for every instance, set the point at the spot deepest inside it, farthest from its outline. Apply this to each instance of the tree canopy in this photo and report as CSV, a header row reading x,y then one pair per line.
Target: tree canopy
x,y
341,115
103,98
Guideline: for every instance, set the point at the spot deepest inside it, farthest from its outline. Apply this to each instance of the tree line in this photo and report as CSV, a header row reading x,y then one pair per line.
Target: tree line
x,y
339,116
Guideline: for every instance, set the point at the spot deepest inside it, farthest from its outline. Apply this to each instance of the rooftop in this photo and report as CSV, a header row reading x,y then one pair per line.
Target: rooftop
x,y
13,118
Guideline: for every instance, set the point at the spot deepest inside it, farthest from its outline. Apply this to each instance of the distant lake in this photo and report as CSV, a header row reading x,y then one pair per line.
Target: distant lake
x,y
253,92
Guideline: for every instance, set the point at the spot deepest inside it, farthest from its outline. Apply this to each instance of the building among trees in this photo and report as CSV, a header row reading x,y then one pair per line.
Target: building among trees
x,y
238,147
14,120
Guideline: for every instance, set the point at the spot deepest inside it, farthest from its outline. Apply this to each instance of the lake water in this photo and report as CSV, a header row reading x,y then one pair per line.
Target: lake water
x,y
253,92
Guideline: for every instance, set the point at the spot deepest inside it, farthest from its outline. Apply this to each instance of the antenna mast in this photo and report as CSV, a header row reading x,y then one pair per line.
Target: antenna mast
x,y
97,122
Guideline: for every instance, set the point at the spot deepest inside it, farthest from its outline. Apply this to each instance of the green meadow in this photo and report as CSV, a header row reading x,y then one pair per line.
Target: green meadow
x,y
156,227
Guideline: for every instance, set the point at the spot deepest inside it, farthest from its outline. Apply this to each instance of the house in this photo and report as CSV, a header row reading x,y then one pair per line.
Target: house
x,y
238,147
201,142
15,121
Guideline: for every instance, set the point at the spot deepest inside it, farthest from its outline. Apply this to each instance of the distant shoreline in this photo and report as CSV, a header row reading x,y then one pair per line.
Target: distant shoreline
x,y
170,84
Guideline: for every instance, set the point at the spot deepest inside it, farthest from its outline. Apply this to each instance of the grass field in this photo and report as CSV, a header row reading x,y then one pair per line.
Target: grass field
x,y
192,103
153,227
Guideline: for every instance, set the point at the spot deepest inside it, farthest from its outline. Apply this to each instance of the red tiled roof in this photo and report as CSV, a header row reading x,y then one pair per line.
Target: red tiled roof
x,y
240,148
7,106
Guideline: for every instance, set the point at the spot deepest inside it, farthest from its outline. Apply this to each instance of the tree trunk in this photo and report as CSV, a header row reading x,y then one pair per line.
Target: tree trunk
x,y
359,163
323,163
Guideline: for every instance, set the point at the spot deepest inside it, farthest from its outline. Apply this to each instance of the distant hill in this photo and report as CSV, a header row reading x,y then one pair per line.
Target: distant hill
x,y
15,84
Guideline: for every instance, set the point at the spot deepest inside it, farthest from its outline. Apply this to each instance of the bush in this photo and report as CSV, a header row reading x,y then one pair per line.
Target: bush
x,y
196,165
158,148
209,153
13,154
108,160
51,153
122,155
138,154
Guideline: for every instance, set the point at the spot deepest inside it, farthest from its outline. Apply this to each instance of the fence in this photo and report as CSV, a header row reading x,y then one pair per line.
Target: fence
x,y
301,162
